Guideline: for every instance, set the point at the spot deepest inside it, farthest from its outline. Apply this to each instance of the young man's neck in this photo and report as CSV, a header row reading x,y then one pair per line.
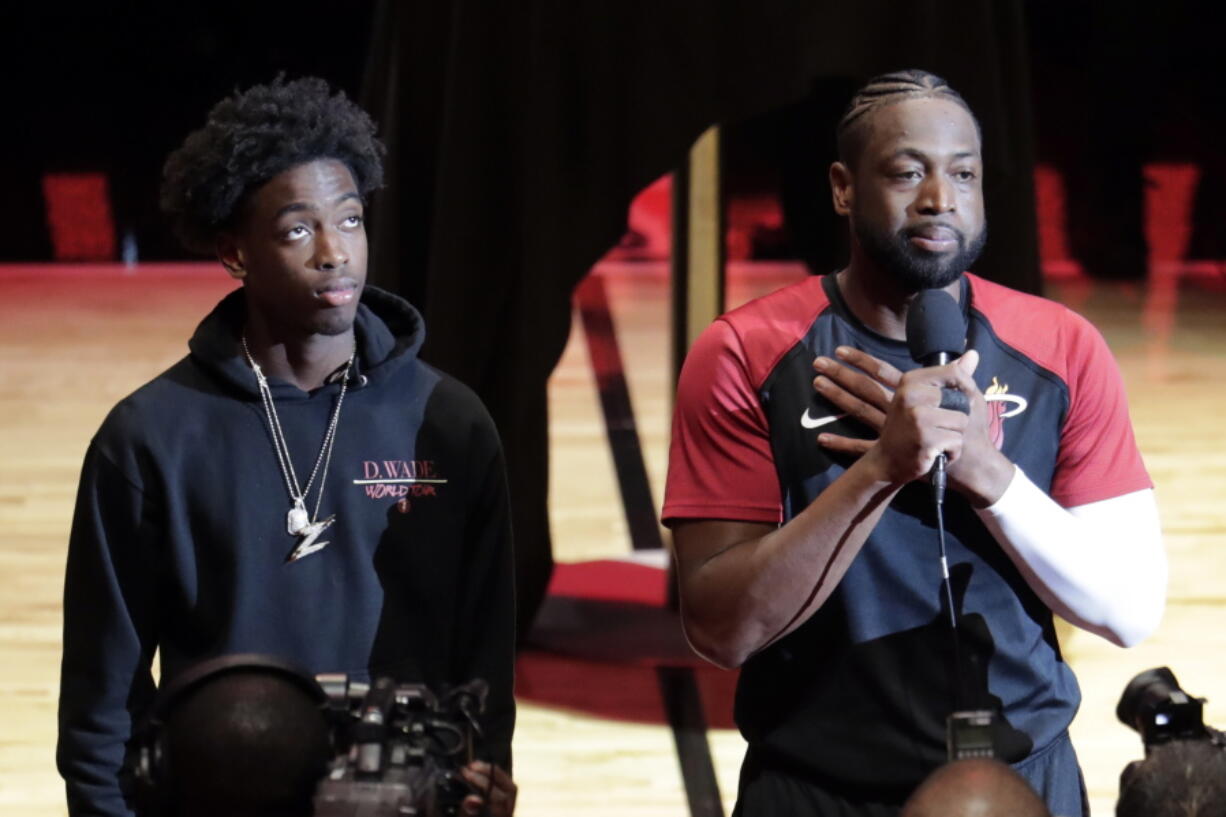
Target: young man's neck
x,y
874,296
306,362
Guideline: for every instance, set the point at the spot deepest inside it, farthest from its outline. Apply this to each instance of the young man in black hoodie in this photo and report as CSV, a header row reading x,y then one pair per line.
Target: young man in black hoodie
x,y
300,484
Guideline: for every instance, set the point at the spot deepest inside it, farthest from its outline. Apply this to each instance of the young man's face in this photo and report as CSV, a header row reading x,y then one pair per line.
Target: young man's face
x,y
916,204
300,250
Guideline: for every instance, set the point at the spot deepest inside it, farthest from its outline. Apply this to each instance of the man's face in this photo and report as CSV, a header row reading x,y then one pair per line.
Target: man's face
x,y
300,250
916,205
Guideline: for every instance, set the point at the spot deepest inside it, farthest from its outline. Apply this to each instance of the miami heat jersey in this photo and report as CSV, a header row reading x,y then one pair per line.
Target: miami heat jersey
x,y
858,695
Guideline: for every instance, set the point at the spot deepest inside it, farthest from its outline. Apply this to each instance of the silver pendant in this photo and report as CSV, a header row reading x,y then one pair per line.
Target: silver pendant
x,y
307,544
297,521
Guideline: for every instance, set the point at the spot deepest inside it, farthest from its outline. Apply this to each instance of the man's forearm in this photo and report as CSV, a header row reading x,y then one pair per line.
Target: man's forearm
x,y
1101,566
752,592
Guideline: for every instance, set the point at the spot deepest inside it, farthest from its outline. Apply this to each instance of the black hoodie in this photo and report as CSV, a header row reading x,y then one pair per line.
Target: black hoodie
x,y
179,540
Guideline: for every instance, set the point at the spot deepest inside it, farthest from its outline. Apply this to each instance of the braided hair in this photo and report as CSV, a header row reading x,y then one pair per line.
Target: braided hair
x,y
884,90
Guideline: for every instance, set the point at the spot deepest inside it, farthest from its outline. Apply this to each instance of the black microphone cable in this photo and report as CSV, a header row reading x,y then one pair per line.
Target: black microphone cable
x,y
938,502
936,334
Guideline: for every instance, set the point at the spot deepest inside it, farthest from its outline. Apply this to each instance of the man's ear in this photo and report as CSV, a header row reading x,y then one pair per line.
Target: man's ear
x,y
231,256
842,188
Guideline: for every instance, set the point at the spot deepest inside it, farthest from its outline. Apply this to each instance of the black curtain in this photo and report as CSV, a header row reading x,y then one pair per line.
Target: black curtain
x,y
113,88
519,133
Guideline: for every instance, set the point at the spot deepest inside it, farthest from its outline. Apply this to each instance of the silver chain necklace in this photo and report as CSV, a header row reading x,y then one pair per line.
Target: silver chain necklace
x,y
297,522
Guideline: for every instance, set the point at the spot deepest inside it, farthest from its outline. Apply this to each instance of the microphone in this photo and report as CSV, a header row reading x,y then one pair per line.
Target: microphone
x,y
936,328
936,334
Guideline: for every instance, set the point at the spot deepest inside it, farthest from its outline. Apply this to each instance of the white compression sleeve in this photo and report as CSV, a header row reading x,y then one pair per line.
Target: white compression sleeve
x,y
1101,566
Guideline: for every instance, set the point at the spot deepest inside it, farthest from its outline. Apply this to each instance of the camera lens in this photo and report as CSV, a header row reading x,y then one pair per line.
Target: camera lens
x,y
1155,706
1144,693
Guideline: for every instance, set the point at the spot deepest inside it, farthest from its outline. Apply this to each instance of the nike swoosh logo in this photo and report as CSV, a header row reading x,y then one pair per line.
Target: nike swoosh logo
x,y
809,422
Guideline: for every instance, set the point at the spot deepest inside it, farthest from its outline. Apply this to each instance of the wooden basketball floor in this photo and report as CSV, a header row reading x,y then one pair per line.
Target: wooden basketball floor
x,y
73,341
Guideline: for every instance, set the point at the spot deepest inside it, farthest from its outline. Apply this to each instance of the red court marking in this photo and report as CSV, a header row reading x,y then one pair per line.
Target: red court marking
x,y
611,580
616,691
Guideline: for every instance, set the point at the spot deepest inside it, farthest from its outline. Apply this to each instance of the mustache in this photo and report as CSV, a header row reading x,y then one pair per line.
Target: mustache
x,y
924,230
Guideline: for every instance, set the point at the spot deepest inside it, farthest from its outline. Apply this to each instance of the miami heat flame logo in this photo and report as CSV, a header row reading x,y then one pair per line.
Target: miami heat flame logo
x,y
1001,405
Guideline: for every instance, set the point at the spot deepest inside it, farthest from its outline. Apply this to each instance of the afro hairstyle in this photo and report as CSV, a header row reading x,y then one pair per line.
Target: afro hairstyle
x,y
254,135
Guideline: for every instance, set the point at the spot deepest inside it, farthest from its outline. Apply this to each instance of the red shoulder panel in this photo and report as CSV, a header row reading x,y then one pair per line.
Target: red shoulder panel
x,y
1098,453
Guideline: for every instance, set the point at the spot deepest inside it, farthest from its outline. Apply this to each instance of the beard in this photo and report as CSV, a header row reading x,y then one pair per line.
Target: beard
x,y
915,269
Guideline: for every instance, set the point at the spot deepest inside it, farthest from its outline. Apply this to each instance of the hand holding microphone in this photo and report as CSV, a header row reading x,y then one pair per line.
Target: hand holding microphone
x,y
936,335
917,415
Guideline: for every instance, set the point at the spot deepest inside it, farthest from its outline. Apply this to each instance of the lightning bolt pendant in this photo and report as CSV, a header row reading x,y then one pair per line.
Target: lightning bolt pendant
x,y
306,543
